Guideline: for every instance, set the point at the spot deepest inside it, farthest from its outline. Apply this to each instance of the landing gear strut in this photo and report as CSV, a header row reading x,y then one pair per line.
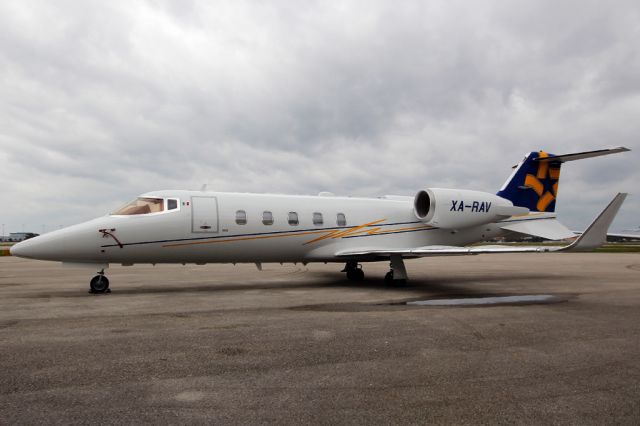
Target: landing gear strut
x,y
99,284
398,273
354,271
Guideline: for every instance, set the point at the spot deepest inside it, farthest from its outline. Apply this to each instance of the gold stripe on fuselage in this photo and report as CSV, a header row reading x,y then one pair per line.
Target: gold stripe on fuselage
x,y
344,233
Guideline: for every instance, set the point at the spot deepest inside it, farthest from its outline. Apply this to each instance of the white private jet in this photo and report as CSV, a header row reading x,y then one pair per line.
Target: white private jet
x,y
214,227
627,234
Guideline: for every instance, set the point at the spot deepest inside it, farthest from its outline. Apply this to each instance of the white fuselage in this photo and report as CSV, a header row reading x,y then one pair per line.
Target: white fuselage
x,y
207,227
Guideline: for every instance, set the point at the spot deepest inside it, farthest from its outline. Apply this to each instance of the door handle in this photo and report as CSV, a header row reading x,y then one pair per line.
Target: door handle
x,y
205,227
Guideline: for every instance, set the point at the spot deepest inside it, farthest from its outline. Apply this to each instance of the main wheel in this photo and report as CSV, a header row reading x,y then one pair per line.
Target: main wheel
x,y
99,284
355,274
388,278
359,274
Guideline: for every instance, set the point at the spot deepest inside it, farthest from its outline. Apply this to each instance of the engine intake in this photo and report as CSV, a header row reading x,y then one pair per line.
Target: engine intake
x,y
461,208
424,205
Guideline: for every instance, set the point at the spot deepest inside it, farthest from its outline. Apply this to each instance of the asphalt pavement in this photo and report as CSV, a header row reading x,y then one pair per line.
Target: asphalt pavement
x,y
293,344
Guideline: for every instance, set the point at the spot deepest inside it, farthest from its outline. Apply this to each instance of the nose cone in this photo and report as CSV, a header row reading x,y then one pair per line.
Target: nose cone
x,y
43,247
77,243
21,249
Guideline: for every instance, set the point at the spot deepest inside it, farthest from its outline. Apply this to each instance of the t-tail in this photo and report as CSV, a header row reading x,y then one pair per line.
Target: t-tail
x,y
534,182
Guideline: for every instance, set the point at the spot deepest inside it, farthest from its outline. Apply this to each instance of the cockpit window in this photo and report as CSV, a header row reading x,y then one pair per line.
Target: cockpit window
x,y
172,204
142,206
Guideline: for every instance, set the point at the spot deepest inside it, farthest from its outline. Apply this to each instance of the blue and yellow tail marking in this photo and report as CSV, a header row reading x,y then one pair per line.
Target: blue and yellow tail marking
x,y
534,185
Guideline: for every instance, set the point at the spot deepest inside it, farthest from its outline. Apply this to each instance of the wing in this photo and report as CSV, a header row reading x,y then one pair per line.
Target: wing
x,y
549,228
430,251
593,237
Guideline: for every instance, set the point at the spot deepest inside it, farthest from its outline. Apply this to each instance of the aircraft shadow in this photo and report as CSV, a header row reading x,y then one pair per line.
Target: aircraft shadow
x,y
453,285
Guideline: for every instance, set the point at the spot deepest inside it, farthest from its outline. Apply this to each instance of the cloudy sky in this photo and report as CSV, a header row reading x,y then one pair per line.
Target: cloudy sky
x,y
101,101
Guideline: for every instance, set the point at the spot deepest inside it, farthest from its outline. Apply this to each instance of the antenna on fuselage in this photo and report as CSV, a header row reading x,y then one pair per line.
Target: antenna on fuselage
x,y
204,187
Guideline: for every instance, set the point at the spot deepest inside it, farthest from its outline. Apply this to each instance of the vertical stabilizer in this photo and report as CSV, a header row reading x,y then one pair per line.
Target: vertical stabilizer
x,y
534,183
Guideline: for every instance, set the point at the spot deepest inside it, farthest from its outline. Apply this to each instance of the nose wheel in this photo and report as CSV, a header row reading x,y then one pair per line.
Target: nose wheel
x,y
99,284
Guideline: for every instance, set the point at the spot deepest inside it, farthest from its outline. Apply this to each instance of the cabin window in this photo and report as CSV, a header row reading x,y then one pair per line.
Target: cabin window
x,y
341,219
141,205
241,217
317,219
293,218
172,204
267,218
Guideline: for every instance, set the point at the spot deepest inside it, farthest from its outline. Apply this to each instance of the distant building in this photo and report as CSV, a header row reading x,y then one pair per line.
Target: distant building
x,y
21,236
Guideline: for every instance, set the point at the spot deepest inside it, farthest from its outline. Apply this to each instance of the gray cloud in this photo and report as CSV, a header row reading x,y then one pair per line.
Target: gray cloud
x,y
102,101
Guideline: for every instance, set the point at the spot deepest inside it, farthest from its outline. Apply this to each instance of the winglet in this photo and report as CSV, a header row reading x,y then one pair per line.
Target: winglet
x,y
596,233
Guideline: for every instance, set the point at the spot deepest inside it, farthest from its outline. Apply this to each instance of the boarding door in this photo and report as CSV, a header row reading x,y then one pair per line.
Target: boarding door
x,y
204,214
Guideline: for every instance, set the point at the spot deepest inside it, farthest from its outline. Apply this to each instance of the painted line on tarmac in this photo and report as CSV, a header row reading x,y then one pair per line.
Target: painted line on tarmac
x,y
483,301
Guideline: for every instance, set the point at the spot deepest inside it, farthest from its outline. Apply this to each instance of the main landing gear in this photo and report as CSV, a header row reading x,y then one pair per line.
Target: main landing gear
x,y
354,271
390,278
398,273
396,276
99,284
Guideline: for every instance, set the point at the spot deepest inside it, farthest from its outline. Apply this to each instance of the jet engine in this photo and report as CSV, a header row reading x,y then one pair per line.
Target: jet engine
x,y
461,208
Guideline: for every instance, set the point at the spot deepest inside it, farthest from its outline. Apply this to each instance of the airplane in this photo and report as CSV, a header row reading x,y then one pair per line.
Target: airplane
x,y
627,234
624,235
199,227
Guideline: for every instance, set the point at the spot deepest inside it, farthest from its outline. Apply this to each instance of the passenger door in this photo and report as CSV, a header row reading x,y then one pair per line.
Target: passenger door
x,y
204,214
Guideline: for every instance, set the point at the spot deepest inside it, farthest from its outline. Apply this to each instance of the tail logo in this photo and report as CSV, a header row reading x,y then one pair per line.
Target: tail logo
x,y
544,183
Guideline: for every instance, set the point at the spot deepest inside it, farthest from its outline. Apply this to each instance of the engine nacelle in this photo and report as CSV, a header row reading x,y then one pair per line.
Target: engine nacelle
x,y
461,208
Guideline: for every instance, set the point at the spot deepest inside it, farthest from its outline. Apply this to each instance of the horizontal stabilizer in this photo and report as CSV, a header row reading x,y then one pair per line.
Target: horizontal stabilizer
x,y
581,155
596,233
549,228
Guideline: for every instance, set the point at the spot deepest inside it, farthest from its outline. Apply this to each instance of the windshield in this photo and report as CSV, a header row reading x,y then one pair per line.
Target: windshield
x,y
141,206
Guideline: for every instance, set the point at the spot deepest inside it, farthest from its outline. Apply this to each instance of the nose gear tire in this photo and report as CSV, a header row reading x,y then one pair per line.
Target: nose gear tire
x,y
99,284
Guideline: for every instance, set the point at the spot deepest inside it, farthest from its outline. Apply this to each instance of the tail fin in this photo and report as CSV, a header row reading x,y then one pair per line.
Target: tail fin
x,y
534,182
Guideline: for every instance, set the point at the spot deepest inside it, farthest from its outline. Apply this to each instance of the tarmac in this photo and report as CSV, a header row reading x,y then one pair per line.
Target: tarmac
x,y
298,344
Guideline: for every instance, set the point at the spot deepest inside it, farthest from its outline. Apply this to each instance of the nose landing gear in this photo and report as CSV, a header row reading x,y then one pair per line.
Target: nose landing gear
x,y
99,284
